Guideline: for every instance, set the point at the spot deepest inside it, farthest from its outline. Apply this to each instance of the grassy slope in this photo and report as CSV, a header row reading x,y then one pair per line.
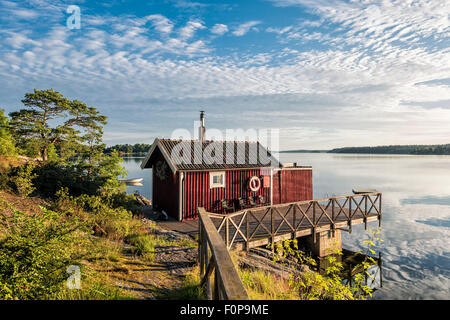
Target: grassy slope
x,y
117,268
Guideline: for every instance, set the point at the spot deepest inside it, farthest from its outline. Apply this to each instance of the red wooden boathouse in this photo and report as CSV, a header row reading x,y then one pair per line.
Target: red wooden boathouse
x,y
184,179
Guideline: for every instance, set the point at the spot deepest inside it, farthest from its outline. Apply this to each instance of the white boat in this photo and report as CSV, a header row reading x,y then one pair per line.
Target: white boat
x,y
132,180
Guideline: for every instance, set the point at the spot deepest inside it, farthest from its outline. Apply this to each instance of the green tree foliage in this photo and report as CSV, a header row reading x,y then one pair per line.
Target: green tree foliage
x,y
312,285
94,177
7,145
138,148
397,149
51,122
67,134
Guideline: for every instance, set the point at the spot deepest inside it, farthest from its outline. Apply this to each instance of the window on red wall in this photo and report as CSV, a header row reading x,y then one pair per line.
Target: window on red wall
x,y
217,179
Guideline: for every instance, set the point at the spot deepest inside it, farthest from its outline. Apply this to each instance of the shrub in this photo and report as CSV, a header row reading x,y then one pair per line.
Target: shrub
x,y
106,220
80,177
311,285
22,179
4,180
35,251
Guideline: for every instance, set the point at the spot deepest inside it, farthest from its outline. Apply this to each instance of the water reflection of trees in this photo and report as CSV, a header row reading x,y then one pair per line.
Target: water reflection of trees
x,y
352,265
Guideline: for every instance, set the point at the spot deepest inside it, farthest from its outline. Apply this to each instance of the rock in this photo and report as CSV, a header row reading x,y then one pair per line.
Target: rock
x,y
261,259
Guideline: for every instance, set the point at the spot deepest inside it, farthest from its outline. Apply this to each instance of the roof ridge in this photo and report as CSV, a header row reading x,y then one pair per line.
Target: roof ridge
x,y
196,140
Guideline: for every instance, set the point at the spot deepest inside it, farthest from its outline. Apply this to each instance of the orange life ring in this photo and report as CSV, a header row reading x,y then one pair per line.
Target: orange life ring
x,y
254,184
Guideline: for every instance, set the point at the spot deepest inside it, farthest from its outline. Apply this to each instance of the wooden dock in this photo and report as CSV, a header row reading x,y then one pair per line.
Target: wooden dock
x,y
254,227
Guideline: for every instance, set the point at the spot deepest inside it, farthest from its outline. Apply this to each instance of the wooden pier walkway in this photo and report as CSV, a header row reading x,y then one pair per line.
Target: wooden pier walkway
x,y
259,226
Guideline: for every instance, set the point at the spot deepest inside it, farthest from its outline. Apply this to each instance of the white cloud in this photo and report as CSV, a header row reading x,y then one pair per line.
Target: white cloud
x,y
387,21
242,29
161,23
188,31
279,30
219,29
24,13
363,83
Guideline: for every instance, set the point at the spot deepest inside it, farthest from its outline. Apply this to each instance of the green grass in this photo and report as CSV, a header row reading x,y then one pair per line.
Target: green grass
x,y
261,285
94,286
189,290
143,245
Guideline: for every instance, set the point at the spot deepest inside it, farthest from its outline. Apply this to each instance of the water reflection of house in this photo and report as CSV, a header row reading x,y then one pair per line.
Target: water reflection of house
x,y
234,175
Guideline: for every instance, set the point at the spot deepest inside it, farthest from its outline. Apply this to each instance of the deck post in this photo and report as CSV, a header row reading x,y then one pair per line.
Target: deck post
x,y
294,221
314,221
333,226
350,199
201,243
272,229
247,233
332,208
206,263
365,212
227,232
379,215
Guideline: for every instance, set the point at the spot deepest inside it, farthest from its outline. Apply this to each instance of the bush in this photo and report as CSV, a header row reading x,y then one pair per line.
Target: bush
x,y
311,285
35,251
80,177
52,176
4,180
22,179
98,212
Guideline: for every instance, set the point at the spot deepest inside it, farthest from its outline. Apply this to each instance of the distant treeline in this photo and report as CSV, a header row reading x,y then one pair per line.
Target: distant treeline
x,y
404,149
304,151
142,149
128,149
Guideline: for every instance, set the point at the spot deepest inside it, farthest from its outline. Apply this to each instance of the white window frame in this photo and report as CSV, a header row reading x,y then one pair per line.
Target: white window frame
x,y
217,184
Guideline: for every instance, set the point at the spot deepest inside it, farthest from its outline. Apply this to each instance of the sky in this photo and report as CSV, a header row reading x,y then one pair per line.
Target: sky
x,y
325,73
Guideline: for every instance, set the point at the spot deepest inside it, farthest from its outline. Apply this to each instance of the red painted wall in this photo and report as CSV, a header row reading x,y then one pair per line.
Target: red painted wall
x,y
197,193
291,185
288,186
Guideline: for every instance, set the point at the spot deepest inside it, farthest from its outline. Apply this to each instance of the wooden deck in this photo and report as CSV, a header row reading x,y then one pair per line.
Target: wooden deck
x,y
255,227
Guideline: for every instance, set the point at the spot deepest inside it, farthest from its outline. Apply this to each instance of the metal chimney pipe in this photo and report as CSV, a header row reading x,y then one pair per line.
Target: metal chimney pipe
x,y
201,134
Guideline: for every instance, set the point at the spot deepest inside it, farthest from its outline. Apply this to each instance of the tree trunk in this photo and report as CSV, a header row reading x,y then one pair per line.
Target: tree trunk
x,y
44,154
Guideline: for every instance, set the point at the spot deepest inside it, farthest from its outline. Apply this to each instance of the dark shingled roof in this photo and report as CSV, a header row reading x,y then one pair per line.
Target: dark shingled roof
x,y
187,155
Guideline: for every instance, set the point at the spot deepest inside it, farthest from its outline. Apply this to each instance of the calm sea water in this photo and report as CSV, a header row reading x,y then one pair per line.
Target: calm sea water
x,y
416,214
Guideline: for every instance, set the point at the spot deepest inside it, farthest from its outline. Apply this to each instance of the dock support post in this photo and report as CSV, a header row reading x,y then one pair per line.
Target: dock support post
x,y
323,243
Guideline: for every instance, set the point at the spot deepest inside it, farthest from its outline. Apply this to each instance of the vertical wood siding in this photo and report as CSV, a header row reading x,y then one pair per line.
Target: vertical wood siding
x,y
292,185
196,191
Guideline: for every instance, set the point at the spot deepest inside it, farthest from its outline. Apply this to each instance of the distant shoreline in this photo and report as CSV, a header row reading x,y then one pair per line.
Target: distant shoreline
x,y
438,149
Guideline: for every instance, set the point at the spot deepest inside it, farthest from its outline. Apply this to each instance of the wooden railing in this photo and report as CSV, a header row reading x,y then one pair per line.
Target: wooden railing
x,y
227,283
254,227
